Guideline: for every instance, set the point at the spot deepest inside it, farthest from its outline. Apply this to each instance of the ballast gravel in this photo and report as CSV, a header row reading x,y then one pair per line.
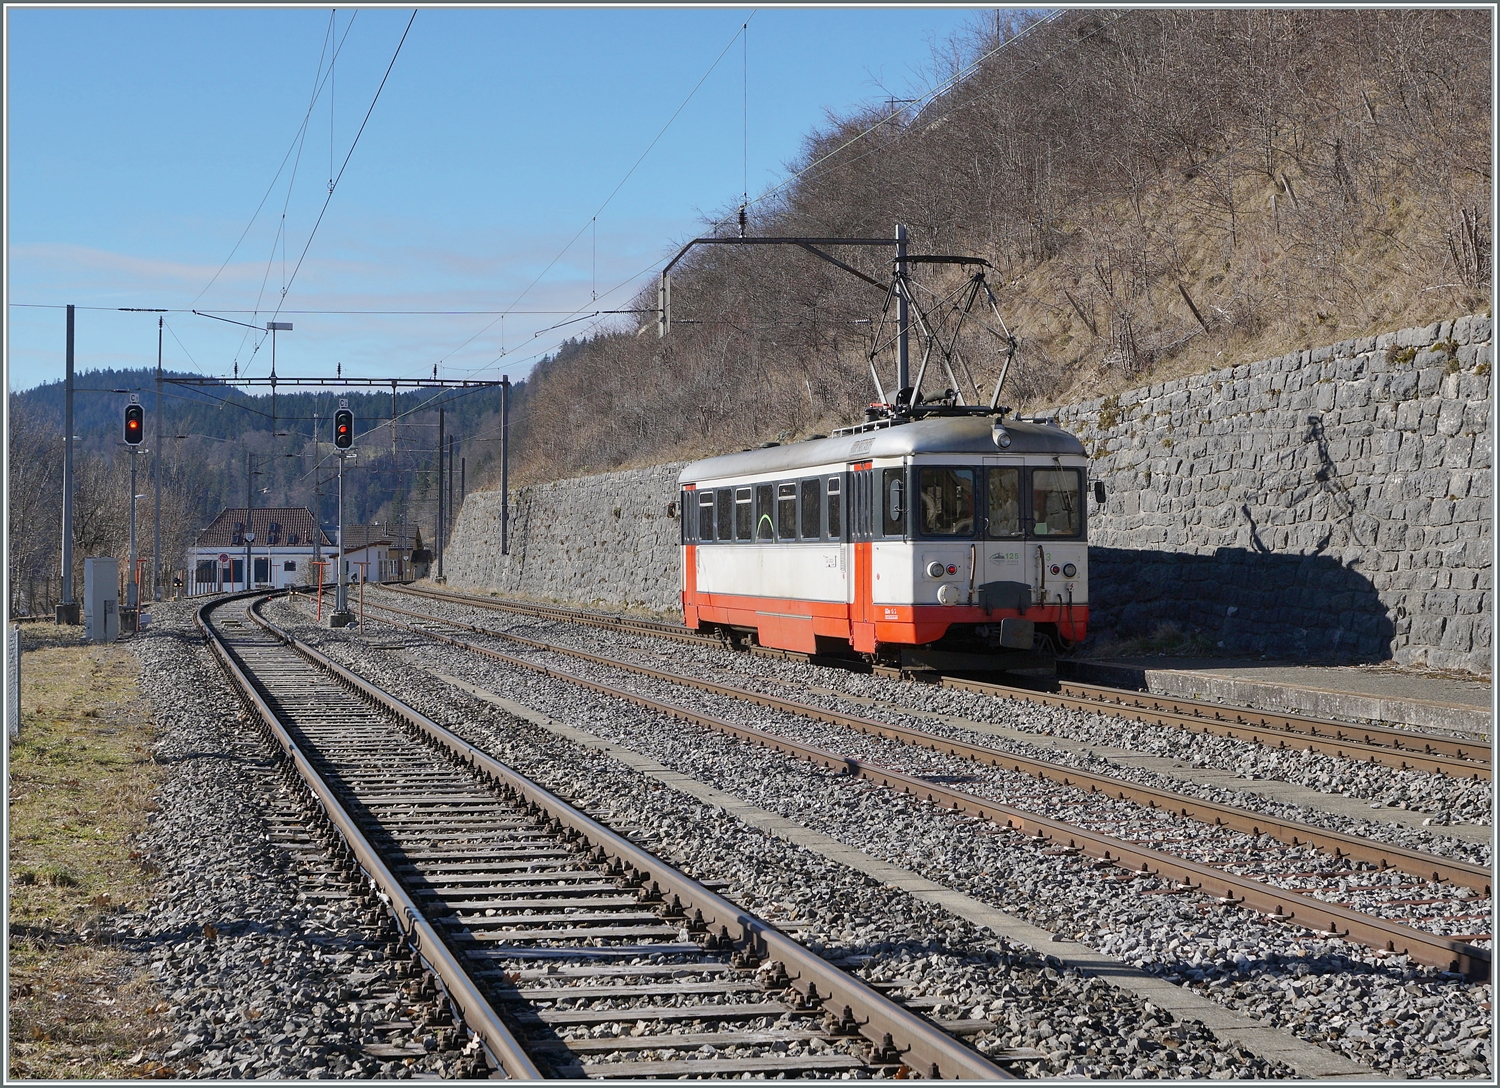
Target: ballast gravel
x,y
918,705
1048,1021
1394,896
266,974
1380,1010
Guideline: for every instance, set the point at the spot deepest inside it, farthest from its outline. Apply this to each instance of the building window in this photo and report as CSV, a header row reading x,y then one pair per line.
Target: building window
x,y
290,566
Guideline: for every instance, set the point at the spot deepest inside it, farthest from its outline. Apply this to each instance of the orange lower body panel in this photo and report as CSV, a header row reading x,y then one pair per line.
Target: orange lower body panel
x,y
794,625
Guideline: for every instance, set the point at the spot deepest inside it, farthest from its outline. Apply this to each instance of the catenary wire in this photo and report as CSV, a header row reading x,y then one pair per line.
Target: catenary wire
x,y
337,178
279,169
610,197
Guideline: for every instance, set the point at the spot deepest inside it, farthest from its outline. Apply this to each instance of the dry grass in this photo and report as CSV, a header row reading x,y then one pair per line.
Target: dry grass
x,y
80,789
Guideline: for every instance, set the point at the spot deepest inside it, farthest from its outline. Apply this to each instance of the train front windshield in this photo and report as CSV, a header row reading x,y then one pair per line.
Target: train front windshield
x,y
947,496
1055,501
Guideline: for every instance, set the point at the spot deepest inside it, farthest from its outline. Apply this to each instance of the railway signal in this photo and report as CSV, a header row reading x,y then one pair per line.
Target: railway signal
x,y
343,438
135,424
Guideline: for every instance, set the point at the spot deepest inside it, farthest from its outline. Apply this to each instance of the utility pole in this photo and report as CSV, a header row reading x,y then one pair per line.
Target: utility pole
x,y
442,432
451,513
156,475
903,315
67,610
463,481
505,464
249,505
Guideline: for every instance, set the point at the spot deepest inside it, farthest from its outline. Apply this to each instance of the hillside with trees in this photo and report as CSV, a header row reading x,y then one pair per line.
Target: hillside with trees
x,y
212,436
1158,192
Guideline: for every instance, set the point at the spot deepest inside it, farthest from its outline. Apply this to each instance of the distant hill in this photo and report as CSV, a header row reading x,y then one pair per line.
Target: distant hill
x,y
1158,192
208,432
219,423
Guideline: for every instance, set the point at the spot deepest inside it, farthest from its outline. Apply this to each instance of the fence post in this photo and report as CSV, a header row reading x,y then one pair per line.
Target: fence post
x,y
13,681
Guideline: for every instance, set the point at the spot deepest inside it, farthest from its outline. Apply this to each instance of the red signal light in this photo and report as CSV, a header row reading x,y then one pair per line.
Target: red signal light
x,y
134,418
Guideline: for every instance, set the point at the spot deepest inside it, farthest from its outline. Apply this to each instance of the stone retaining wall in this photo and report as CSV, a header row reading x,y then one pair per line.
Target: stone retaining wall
x,y
1328,504
1332,503
604,540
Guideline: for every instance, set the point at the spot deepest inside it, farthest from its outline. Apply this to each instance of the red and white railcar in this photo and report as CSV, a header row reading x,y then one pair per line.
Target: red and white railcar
x,y
914,540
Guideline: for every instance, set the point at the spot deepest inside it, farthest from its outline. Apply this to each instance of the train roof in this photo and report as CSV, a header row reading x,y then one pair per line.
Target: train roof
x,y
935,434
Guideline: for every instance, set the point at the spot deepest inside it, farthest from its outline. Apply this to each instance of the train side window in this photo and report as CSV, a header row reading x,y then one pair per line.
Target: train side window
x,y
726,514
705,515
786,511
1056,506
1004,508
812,509
765,516
744,522
893,501
835,528
947,501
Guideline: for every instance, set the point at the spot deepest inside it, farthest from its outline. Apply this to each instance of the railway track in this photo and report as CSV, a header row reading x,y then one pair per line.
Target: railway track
x,y
545,930
1399,749
1294,833
1378,933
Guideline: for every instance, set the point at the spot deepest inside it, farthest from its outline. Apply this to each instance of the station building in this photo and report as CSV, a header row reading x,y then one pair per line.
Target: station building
x,y
283,541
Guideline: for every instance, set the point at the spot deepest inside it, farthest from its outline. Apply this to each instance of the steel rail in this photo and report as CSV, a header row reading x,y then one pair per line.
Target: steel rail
x,y
1467,750
1382,745
925,1048
1417,863
503,1048
1377,933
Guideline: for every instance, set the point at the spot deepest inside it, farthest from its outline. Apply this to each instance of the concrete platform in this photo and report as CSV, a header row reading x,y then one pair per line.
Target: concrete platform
x,y
1354,693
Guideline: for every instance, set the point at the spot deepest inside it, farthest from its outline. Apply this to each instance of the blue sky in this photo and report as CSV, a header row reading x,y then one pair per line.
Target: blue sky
x,y
140,142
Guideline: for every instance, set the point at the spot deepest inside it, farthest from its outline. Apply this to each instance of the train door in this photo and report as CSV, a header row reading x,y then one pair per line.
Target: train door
x,y
861,531
1007,571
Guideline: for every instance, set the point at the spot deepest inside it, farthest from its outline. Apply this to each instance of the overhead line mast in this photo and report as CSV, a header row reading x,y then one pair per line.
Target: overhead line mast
x,y
907,395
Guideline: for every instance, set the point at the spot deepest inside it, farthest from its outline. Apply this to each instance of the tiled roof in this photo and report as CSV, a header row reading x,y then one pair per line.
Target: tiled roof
x,y
392,533
362,536
294,527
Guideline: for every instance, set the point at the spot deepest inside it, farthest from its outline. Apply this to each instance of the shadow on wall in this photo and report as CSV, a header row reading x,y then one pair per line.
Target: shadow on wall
x,y
1308,607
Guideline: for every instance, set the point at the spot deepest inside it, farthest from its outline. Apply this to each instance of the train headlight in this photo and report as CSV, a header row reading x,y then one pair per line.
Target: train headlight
x,y
1069,570
934,570
1001,436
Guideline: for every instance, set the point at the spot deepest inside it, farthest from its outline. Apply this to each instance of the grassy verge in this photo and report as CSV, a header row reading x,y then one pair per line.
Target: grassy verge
x,y
80,789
